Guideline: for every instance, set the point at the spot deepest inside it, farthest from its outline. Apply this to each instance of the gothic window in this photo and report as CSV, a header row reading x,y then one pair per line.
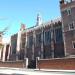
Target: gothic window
x,y
71,26
22,55
14,43
47,37
38,39
58,33
73,43
30,41
23,43
69,11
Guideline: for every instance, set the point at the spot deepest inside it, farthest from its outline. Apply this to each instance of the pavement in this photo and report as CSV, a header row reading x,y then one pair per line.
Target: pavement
x,y
54,70
23,71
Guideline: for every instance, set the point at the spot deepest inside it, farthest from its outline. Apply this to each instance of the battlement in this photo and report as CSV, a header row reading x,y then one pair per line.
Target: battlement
x,y
67,3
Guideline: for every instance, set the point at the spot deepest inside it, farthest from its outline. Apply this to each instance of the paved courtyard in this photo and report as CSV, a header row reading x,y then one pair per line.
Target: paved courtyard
x,y
17,71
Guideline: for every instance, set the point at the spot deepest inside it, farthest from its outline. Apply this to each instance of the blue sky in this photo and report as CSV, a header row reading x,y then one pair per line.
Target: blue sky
x,y
15,12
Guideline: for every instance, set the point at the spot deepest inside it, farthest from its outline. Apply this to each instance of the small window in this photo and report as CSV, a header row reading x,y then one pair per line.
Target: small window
x,y
69,11
73,44
71,26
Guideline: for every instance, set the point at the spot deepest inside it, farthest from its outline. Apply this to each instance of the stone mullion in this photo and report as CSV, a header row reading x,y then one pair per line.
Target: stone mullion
x,y
18,45
26,45
33,46
8,57
42,43
52,40
4,51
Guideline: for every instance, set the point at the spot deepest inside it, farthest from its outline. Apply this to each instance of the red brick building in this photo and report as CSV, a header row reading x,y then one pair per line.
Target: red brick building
x,y
53,39
44,41
68,25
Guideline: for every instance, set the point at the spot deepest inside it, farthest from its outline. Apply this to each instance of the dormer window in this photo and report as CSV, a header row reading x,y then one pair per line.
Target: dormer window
x,y
69,11
71,26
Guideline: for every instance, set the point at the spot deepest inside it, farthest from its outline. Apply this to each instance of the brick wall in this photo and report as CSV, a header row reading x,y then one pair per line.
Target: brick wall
x,y
66,63
67,19
13,64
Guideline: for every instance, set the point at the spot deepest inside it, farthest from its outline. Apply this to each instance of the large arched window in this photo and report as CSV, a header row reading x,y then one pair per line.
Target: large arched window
x,y
47,39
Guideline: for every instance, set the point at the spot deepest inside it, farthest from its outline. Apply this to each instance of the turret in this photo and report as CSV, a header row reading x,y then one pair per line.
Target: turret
x,y
66,1
62,2
39,19
67,8
22,27
19,40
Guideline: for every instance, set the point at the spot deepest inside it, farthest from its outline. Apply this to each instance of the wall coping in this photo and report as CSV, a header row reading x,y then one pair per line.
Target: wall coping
x,y
13,61
59,58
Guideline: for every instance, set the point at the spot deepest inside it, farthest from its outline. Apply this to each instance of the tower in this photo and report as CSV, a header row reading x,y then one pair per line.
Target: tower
x,y
19,41
67,9
39,19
